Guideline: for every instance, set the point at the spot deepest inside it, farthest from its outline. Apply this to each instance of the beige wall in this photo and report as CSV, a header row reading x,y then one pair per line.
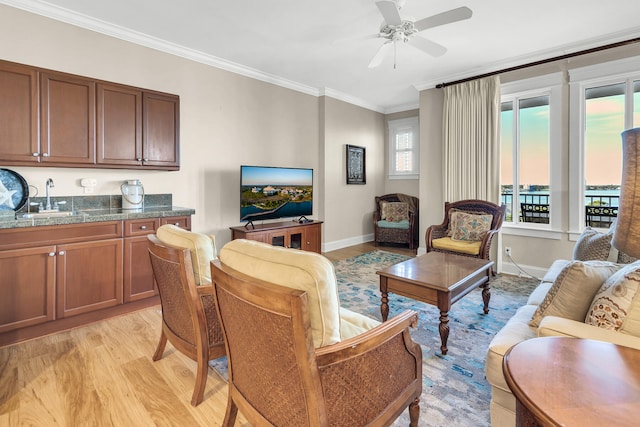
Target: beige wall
x,y
226,120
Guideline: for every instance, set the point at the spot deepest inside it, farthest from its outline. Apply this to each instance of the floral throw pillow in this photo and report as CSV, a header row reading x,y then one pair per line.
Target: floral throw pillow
x,y
470,226
394,211
616,306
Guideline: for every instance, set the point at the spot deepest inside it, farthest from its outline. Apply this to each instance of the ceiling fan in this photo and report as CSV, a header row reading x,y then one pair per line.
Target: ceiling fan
x,y
395,29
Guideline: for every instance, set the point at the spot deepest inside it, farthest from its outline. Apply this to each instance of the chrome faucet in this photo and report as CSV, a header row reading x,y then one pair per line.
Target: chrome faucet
x,y
48,185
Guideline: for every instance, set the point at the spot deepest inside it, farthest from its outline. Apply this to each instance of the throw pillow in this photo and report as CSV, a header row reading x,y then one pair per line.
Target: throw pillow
x,y
573,290
394,211
616,305
470,226
625,258
592,245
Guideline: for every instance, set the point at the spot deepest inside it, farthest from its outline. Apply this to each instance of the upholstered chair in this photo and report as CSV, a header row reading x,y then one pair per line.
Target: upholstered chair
x,y
296,358
468,228
180,261
395,219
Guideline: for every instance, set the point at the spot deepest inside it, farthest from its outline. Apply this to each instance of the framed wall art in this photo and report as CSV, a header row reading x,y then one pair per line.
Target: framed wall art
x,y
356,165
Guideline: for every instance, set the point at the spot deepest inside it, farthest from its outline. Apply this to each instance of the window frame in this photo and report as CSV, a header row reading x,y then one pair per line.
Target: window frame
x,y
548,85
394,126
581,79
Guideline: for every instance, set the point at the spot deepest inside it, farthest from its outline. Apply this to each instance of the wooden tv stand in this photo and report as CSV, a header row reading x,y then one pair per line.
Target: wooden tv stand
x,y
290,234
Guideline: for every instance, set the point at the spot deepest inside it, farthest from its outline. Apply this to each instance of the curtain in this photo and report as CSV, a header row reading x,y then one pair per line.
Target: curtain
x,y
471,131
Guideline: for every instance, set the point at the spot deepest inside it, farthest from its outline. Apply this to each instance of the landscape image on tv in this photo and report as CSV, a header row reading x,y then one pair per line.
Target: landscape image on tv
x,y
275,192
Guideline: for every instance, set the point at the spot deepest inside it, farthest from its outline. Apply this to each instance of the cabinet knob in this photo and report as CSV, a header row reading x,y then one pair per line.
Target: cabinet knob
x,y
35,154
145,160
139,159
143,227
45,154
52,254
61,253
177,224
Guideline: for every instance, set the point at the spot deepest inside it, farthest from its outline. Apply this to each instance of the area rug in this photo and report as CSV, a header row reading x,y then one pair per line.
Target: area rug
x,y
455,391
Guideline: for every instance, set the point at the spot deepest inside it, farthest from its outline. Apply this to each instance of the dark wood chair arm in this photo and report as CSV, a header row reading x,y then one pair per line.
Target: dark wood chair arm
x,y
205,289
485,246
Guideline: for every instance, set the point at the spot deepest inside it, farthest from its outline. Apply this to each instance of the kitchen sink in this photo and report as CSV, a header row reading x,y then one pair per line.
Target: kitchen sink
x,y
57,214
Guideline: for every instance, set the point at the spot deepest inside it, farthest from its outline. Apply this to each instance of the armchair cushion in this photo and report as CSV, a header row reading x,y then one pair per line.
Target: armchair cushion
x,y
401,225
465,247
306,271
201,246
573,290
469,226
394,211
353,324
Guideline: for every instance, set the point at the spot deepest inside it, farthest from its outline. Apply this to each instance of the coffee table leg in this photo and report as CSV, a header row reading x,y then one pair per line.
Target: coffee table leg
x,y
384,306
486,296
444,331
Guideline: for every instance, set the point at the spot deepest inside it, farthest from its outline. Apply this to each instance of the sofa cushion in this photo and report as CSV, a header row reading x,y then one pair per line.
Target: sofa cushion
x,y
307,271
470,226
573,290
201,246
448,244
616,306
394,211
555,269
593,245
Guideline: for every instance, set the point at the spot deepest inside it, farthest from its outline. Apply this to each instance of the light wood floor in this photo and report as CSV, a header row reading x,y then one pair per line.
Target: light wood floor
x,y
102,375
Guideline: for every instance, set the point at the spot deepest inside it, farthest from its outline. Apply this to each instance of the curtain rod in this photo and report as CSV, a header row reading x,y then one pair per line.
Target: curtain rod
x,y
542,61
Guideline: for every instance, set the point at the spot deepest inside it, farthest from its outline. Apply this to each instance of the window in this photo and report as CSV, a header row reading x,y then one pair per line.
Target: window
x,y
604,102
404,146
528,168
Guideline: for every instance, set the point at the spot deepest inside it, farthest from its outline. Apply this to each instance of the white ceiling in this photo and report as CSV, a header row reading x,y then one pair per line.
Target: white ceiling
x,y
304,44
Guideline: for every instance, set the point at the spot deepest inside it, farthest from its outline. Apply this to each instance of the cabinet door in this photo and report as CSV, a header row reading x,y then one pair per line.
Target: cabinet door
x,y
18,113
138,273
161,131
67,119
313,238
119,125
26,287
89,276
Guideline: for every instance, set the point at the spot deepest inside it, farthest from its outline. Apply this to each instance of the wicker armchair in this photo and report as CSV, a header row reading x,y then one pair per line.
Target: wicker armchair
x,y
387,231
481,250
189,318
277,376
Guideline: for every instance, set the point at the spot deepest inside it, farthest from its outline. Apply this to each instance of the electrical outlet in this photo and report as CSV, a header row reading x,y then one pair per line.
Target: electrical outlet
x,y
88,190
507,251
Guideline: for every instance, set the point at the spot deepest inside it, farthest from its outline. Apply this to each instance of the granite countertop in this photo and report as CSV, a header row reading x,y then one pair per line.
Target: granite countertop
x,y
95,215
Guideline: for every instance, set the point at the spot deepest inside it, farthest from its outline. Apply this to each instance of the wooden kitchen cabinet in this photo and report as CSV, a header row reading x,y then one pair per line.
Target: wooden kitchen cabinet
x,y
68,115
18,114
138,274
88,276
306,236
27,287
161,134
119,125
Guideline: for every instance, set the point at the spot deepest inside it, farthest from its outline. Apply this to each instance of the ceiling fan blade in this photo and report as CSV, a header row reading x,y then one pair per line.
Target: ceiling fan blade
x,y
453,15
432,48
380,55
355,39
389,11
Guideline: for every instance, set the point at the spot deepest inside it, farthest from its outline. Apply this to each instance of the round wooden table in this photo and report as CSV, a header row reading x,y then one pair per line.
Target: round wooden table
x,y
560,381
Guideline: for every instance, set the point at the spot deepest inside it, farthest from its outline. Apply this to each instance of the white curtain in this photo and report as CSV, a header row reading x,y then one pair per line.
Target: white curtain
x,y
471,130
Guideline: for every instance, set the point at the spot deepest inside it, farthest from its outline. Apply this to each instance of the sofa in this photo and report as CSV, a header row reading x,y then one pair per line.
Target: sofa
x,y
590,296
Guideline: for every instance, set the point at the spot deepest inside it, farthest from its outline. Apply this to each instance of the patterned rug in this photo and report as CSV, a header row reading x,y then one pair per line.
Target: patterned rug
x,y
455,391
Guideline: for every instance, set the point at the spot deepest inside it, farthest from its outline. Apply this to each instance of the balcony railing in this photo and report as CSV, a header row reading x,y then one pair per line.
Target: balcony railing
x,y
600,209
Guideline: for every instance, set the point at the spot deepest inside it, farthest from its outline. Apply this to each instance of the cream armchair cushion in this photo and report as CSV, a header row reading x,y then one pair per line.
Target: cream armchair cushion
x,y
307,271
202,247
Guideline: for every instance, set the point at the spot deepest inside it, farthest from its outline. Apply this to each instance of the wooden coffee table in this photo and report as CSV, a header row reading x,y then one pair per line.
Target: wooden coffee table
x,y
439,279
561,381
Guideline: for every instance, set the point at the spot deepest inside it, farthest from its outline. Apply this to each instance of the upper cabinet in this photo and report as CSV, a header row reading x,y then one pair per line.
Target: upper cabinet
x,y
56,119
19,141
67,125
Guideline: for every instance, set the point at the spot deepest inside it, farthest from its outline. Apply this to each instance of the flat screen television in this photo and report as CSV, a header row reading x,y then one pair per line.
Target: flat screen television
x,y
268,192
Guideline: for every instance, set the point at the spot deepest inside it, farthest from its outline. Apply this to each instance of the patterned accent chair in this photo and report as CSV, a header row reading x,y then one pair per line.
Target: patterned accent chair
x,y
296,358
180,263
477,221
395,219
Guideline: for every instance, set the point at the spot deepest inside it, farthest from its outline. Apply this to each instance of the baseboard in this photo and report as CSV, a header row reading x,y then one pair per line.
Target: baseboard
x,y
511,268
345,243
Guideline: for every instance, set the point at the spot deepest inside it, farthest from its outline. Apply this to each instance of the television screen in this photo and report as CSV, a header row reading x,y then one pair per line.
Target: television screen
x,y
274,192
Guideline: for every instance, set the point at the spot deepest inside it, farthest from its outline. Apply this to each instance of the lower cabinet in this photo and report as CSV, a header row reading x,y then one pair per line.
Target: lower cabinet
x,y
53,274
306,236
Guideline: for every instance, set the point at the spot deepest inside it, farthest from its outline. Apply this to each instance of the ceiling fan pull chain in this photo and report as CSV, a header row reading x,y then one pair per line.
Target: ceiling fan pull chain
x,y
395,54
